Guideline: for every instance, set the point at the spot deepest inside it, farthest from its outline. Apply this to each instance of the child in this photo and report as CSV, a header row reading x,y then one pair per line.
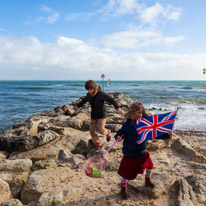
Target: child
x,y
96,97
135,158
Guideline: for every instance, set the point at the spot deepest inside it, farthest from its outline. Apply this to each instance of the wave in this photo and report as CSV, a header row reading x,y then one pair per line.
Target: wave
x,y
78,85
47,84
193,100
187,87
184,99
34,88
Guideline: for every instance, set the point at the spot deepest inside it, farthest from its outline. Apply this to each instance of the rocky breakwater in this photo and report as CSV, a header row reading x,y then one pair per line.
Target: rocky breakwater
x,y
42,163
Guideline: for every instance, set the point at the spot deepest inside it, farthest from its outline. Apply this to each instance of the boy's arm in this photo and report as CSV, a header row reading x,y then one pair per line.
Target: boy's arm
x,y
82,102
109,99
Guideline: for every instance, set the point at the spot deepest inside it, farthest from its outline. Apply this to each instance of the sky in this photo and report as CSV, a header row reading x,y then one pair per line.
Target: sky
x,y
82,39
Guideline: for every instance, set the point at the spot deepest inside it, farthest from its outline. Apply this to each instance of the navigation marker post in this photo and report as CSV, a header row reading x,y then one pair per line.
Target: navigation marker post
x,y
102,76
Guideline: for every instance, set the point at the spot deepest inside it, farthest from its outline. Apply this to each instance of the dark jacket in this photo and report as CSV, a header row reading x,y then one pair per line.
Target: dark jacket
x,y
97,104
130,147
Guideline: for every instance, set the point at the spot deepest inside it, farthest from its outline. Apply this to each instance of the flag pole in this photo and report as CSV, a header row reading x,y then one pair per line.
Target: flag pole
x,y
175,118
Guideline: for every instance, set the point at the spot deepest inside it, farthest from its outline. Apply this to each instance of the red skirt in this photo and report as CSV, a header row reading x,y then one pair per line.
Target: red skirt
x,y
131,167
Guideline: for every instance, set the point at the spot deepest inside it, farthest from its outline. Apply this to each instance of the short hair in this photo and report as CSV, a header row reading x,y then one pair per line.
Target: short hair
x,y
90,84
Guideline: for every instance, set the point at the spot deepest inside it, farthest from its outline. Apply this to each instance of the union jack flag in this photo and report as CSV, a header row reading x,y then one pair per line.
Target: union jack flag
x,y
154,126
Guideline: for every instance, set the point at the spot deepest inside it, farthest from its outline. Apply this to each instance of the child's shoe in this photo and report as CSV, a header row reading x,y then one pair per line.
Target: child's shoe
x,y
149,183
124,193
99,147
109,135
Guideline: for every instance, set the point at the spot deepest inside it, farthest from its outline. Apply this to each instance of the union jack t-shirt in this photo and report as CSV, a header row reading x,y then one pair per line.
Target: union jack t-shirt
x,y
154,126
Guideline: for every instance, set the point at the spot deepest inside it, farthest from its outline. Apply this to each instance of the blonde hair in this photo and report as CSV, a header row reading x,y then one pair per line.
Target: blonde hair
x,y
133,109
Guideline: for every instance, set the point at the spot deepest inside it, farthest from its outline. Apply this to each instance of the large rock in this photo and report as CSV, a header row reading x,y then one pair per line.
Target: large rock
x,y
198,184
12,202
26,142
185,195
4,191
3,155
44,164
15,172
162,181
184,148
51,150
42,181
155,144
56,198
161,158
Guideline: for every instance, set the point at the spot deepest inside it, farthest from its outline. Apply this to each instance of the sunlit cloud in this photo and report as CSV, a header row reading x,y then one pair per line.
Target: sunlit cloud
x,y
69,56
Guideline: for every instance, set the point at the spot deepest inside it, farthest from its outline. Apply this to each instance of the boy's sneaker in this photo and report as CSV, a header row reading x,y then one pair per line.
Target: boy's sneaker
x,y
109,136
99,147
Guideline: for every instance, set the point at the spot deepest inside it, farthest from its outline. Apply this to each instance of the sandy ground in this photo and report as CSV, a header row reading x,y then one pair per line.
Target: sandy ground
x,y
105,191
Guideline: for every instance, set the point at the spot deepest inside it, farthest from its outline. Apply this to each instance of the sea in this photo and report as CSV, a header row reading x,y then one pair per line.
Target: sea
x,y
20,99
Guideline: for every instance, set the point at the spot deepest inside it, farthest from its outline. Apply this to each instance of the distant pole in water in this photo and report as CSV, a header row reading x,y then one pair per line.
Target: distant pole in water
x,y
204,71
109,82
102,76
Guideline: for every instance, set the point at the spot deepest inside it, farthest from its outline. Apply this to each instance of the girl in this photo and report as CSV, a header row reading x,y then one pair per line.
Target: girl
x,y
96,97
136,159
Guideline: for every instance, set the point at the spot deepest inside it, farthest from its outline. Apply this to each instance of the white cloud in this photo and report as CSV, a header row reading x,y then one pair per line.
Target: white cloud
x,y
46,9
52,16
158,12
83,16
72,58
150,14
120,7
137,39
173,13
173,40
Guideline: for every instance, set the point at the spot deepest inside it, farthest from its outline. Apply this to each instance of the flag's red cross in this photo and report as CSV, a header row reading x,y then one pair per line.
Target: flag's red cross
x,y
154,126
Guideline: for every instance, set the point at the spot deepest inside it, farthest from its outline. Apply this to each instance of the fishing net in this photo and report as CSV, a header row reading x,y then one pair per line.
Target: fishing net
x,y
95,167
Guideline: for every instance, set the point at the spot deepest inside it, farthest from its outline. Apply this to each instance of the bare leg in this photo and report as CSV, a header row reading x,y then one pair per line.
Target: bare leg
x,y
101,127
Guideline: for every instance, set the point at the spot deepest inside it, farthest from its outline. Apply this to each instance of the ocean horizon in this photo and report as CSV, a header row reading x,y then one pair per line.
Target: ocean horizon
x,y
19,99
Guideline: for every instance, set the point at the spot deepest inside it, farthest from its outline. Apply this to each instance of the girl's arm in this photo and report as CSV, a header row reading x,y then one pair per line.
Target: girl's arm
x,y
122,131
